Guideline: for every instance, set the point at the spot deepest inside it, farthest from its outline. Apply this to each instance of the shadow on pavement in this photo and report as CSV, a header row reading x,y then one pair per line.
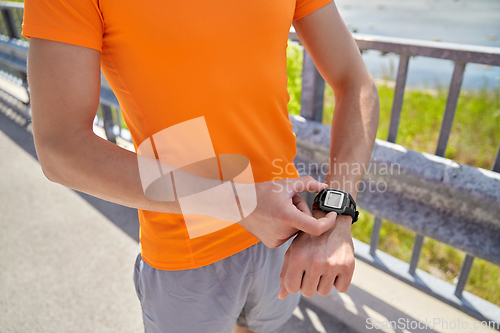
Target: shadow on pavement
x,y
309,318
18,129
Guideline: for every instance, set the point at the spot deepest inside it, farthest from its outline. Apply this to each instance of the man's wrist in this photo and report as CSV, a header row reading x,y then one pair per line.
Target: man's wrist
x,y
343,221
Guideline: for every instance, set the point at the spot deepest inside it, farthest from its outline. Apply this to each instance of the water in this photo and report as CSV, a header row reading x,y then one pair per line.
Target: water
x,y
475,22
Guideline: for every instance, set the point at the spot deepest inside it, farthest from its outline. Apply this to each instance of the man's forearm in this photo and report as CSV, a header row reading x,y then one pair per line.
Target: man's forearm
x,y
328,260
327,39
87,163
354,127
93,165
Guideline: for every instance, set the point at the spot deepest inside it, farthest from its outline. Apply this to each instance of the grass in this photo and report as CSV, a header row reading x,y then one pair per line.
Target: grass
x,y
475,134
474,140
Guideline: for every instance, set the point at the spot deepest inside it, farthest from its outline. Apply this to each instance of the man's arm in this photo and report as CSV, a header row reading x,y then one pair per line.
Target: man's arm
x,y
65,83
65,86
318,263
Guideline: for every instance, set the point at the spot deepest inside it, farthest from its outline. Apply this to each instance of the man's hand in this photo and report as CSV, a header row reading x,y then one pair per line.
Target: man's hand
x,y
281,212
317,263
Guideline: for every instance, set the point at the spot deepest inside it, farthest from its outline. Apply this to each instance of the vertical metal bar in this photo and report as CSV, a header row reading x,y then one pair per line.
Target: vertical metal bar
x,y
399,91
464,275
313,90
375,235
12,32
451,106
10,25
118,120
309,196
24,79
108,123
415,256
496,165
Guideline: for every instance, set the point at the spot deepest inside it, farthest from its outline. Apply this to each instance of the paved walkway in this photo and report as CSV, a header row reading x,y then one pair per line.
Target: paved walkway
x,y
65,266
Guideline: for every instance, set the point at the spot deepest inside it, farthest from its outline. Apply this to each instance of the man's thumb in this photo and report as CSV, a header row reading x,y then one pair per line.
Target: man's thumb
x,y
311,225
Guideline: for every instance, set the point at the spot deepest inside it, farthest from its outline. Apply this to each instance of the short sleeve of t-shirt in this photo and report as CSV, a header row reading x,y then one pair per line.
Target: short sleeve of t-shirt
x,y
305,7
77,22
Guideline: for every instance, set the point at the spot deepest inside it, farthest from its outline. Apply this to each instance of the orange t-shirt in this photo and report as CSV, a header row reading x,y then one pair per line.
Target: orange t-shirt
x,y
170,62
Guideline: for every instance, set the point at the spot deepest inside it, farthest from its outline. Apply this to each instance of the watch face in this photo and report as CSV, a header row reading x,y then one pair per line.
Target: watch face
x,y
334,199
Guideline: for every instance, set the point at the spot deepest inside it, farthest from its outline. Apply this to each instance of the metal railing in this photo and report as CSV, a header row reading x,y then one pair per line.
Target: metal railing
x,y
435,197
444,207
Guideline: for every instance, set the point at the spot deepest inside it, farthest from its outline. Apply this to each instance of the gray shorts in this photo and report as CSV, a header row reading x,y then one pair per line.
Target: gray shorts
x,y
242,289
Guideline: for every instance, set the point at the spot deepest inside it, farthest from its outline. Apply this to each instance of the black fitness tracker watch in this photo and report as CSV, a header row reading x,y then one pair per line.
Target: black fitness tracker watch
x,y
333,200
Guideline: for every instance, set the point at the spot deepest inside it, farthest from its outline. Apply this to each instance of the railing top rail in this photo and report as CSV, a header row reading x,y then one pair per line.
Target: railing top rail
x,y
412,47
11,4
452,51
441,50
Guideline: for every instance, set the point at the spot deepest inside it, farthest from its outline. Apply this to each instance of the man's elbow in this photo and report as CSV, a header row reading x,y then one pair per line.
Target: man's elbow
x,y
365,90
356,81
49,156
368,85
363,86
373,95
50,173
372,103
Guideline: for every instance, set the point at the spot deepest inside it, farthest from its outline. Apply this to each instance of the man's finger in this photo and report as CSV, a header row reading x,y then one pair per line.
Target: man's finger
x,y
327,222
293,280
316,213
301,204
325,284
342,282
283,293
306,184
285,265
310,225
310,283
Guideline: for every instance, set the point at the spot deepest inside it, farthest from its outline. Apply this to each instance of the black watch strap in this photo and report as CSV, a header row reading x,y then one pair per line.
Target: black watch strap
x,y
352,212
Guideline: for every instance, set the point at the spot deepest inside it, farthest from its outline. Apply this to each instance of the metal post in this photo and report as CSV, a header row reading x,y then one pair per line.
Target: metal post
x,y
415,256
496,165
313,90
8,18
464,275
118,121
399,91
375,235
109,123
12,32
451,106
24,79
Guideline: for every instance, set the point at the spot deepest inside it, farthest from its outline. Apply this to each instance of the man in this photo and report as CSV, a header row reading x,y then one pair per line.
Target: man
x,y
214,74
